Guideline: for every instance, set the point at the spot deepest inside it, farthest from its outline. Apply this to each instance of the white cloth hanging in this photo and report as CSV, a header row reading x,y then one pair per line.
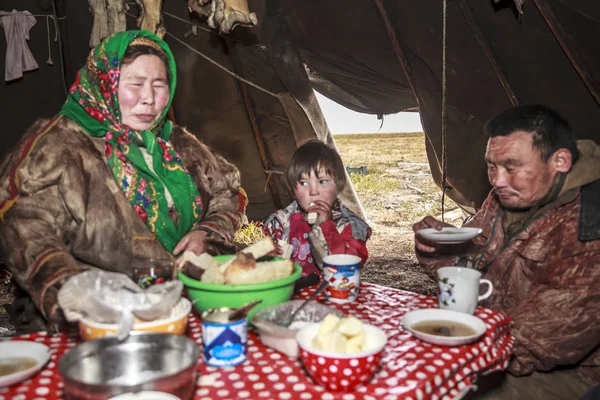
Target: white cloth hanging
x,y
18,56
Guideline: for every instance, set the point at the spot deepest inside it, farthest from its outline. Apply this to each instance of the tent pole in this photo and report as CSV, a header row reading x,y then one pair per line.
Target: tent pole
x,y
489,53
266,164
396,45
569,47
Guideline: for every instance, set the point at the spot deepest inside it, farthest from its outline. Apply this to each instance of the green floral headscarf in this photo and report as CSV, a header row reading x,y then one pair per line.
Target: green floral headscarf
x,y
93,103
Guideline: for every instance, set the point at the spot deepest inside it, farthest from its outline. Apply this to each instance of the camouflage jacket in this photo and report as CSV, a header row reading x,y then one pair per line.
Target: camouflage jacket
x,y
62,212
546,278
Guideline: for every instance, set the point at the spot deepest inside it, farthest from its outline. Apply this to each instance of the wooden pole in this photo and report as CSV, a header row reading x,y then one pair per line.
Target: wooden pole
x,y
489,53
389,29
569,47
249,106
396,45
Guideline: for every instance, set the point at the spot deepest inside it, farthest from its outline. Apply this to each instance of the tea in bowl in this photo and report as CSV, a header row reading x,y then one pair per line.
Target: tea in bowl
x,y
443,327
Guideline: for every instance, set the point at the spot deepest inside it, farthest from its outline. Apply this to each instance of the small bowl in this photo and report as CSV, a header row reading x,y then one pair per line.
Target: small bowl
x,y
341,371
206,296
22,349
106,367
436,315
281,338
175,323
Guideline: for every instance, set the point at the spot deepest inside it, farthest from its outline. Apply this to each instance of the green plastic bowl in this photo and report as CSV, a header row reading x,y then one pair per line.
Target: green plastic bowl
x,y
205,296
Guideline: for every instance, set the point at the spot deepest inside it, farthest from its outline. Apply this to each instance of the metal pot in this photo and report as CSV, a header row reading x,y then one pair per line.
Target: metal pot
x,y
103,368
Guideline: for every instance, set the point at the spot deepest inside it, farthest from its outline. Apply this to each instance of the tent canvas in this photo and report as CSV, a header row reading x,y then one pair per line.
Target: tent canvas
x,y
377,57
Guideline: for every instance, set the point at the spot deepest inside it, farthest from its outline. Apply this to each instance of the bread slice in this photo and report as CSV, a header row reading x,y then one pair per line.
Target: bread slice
x,y
311,218
256,250
203,267
240,274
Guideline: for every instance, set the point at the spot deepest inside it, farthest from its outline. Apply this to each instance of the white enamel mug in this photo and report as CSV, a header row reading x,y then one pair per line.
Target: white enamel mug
x,y
458,289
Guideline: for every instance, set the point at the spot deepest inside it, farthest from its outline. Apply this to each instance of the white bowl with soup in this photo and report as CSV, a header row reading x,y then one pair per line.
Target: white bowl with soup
x,y
443,327
21,359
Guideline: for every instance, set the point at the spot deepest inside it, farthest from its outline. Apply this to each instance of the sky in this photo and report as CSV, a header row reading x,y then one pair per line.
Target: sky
x,y
343,120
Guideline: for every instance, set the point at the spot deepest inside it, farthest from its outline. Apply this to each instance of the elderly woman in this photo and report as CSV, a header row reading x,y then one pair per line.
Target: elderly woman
x,y
110,182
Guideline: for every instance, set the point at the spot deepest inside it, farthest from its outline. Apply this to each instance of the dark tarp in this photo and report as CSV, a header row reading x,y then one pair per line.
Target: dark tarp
x,y
343,50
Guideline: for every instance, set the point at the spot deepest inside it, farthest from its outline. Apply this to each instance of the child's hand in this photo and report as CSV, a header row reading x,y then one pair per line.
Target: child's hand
x,y
275,253
323,211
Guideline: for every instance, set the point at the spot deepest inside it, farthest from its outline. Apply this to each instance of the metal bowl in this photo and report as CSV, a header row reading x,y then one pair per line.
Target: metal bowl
x,y
103,368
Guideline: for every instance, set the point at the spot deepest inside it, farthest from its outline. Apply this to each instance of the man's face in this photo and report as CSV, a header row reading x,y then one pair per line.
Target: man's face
x,y
519,176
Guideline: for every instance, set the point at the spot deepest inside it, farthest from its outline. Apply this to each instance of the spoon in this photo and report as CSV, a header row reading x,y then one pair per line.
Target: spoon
x,y
287,322
243,311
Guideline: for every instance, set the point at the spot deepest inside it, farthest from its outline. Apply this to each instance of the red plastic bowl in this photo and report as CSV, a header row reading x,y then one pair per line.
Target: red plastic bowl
x,y
341,371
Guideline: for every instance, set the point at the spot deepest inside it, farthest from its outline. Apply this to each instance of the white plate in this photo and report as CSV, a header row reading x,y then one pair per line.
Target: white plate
x,y
436,314
22,349
450,235
147,395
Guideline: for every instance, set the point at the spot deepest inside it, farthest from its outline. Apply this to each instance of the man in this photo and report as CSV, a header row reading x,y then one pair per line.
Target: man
x,y
540,246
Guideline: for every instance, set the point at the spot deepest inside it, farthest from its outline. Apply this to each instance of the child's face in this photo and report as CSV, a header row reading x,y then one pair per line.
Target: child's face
x,y
311,188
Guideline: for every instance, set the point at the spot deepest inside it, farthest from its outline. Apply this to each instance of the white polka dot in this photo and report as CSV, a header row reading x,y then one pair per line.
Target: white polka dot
x,y
275,356
430,368
333,368
321,360
327,396
306,396
257,355
19,397
348,396
267,370
202,392
223,392
42,391
421,375
248,368
259,386
353,362
219,384
238,384
439,363
244,394
234,377
285,395
47,373
292,379
286,370
299,387
253,377
347,371
273,377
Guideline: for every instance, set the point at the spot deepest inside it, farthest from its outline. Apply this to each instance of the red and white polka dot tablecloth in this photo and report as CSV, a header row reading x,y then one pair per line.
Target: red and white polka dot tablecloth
x,y
410,369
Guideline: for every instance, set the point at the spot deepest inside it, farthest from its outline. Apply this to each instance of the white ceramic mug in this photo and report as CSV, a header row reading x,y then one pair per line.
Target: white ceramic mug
x,y
458,289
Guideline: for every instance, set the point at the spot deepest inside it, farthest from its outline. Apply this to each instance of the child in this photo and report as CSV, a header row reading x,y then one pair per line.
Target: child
x,y
316,174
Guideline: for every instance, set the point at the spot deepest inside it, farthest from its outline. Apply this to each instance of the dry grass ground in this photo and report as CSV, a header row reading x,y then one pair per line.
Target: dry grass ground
x,y
396,192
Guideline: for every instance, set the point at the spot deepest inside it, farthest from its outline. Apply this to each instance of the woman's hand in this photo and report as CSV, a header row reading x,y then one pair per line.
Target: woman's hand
x,y
323,211
194,241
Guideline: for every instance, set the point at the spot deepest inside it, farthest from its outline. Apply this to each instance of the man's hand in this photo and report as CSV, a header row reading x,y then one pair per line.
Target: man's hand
x,y
323,211
194,241
421,244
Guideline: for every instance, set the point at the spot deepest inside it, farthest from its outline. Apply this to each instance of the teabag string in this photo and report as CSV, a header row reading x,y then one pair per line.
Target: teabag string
x,y
114,298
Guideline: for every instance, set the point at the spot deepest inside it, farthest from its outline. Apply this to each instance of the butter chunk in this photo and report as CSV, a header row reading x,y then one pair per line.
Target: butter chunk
x,y
331,341
355,343
350,326
330,322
